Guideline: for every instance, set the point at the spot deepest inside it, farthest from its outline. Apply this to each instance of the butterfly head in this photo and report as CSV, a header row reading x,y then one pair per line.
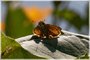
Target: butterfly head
x,y
41,24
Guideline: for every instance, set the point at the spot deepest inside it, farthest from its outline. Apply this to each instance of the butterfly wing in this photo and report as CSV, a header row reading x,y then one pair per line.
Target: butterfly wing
x,y
53,30
37,31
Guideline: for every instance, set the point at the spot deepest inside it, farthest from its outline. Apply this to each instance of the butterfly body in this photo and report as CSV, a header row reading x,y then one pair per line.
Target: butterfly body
x,y
43,30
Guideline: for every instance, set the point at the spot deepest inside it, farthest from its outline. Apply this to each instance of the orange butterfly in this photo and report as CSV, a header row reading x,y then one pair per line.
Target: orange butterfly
x,y
43,30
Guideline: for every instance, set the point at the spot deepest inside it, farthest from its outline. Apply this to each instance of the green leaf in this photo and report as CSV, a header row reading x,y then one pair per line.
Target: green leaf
x,y
11,49
17,24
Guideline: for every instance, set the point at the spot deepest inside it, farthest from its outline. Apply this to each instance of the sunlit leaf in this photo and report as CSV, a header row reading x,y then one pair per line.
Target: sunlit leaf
x,y
11,49
67,46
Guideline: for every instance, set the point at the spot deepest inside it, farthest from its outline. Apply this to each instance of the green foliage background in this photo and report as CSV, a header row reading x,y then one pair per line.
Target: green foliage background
x,y
18,25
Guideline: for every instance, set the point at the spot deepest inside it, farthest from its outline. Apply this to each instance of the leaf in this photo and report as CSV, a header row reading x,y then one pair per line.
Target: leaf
x,y
10,49
42,50
67,46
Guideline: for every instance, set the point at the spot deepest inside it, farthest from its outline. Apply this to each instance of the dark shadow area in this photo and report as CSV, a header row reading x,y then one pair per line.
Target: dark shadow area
x,y
51,44
36,39
67,50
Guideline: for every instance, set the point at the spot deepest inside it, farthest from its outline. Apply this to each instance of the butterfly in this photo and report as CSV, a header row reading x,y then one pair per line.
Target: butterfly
x,y
48,31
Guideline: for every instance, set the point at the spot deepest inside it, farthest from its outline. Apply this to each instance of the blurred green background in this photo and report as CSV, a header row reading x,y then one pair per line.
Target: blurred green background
x,y
69,15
